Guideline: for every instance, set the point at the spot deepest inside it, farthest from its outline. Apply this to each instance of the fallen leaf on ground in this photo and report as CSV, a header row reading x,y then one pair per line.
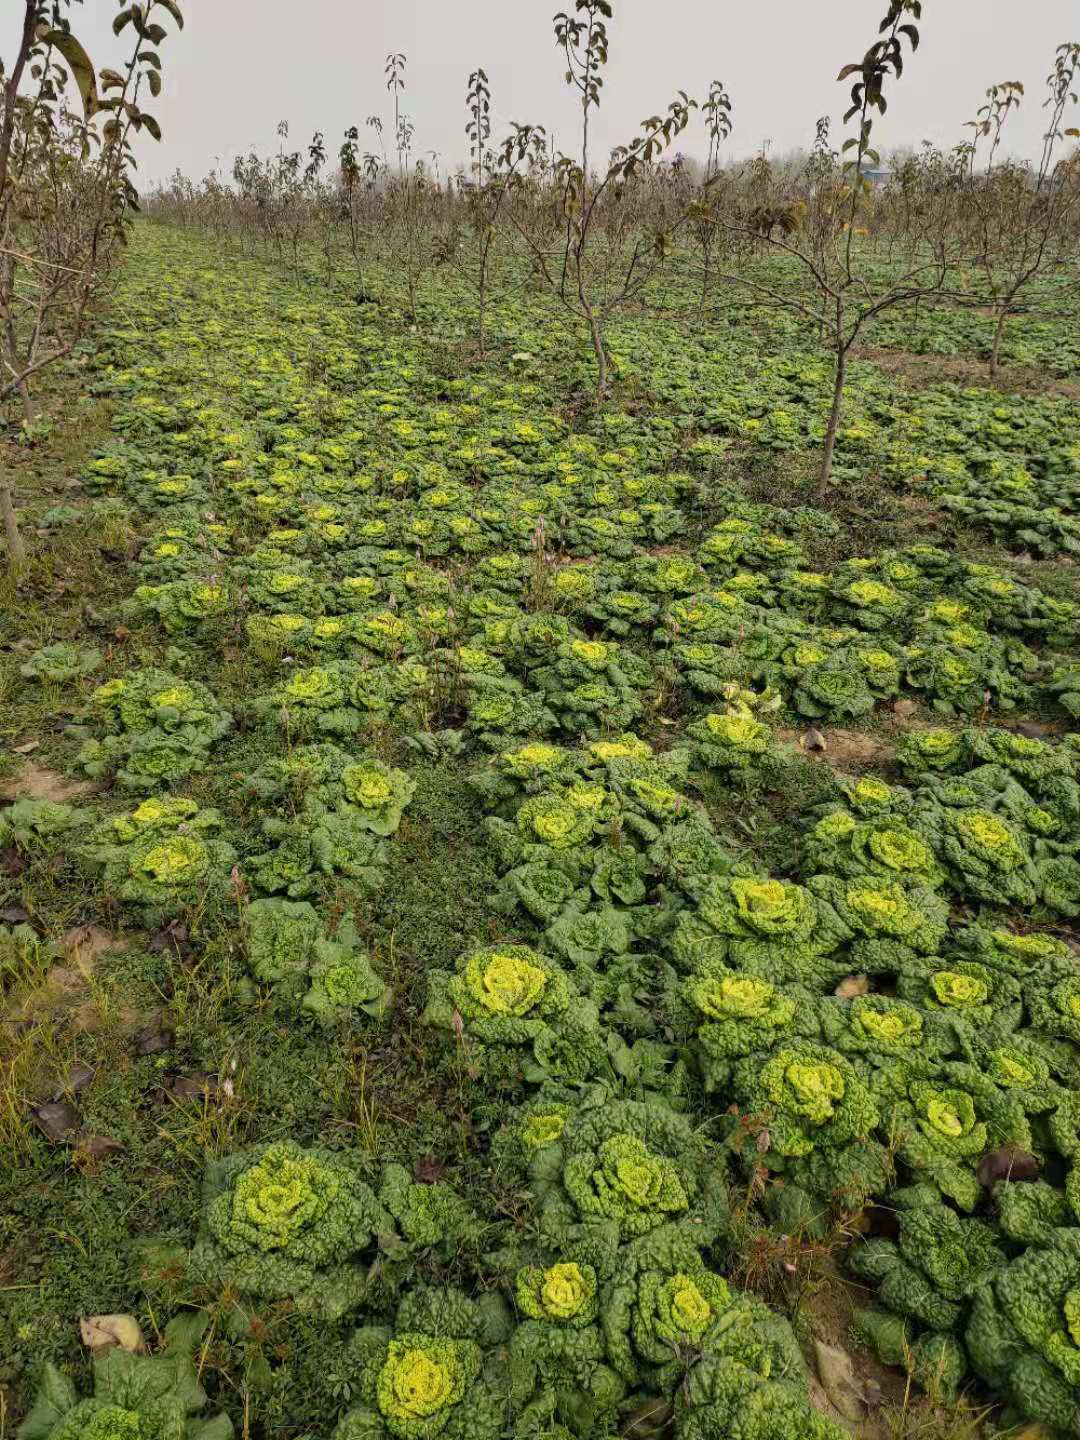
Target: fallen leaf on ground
x,y
104,1332
77,1079
172,937
1008,1162
155,1039
15,861
852,985
841,1385
428,1170
92,1148
191,1087
57,1120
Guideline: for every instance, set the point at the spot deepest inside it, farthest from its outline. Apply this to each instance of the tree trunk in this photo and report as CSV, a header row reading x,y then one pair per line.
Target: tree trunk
x,y
482,298
995,353
601,359
11,90
834,423
16,548
594,331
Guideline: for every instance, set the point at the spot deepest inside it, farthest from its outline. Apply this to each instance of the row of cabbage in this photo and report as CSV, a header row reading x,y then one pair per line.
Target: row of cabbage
x,y
467,587
1003,464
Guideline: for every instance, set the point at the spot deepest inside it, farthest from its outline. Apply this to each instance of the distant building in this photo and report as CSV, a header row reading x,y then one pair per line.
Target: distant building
x,y
877,176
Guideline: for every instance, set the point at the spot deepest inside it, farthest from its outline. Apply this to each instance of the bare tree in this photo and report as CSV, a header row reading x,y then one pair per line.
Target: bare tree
x,y
819,227
66,189
588,284
1019,217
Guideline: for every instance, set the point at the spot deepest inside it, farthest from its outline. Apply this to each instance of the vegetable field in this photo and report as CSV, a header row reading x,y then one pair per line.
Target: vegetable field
x,y
516,915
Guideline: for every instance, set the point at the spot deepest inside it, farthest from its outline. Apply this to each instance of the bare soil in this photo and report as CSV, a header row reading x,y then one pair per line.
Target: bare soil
x,y
923,370
35,782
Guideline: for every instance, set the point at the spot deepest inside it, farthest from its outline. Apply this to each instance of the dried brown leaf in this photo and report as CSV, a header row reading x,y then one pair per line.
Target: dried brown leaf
x,y
852,985
843,1387
428,1170
92,1148
57,1120
1008,1162
105,1332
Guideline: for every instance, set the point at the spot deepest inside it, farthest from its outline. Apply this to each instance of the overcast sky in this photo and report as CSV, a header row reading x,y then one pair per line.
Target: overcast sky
x,y
240,66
